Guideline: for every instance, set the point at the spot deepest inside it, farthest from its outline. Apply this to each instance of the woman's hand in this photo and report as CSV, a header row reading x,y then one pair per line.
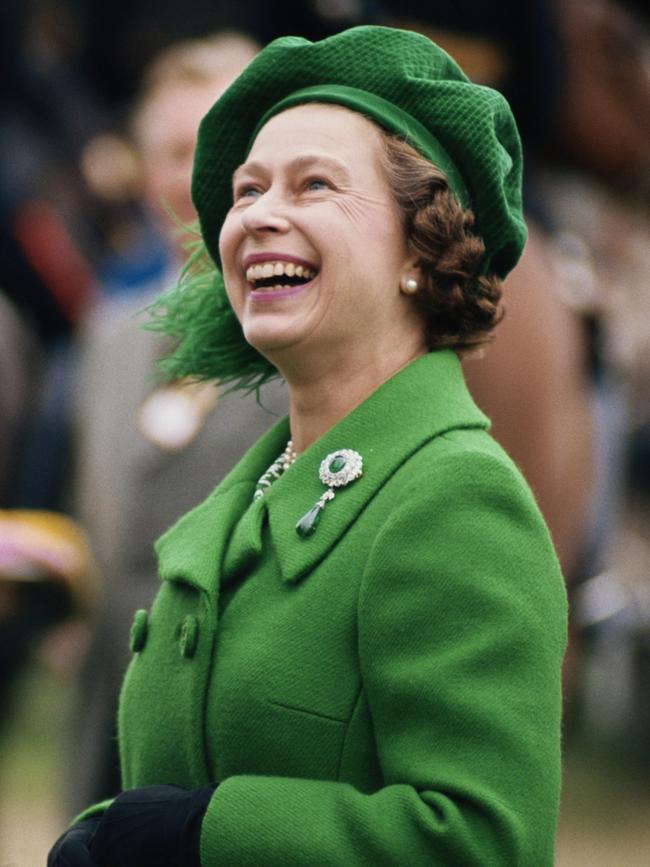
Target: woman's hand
x,y
71,849
157,826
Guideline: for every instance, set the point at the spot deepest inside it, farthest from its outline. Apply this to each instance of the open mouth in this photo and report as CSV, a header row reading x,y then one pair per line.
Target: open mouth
x,y
275,276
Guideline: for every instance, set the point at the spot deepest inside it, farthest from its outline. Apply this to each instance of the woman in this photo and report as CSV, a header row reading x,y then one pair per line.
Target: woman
x,y
355,659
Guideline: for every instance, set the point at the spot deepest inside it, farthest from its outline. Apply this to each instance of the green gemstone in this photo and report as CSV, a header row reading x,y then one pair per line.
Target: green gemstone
x,y
337,464
307,524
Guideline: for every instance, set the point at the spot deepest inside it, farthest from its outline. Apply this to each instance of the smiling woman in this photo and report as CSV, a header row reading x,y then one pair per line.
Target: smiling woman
x,y
354,657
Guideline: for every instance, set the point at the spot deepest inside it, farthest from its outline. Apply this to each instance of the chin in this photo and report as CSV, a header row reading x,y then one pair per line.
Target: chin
x,y
268,341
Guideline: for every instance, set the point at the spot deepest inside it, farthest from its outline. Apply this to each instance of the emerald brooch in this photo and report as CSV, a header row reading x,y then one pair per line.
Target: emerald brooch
x,y
337,470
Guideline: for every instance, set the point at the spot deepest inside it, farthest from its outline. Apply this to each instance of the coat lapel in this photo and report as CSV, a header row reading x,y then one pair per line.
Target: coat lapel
x,y
192,550
422,401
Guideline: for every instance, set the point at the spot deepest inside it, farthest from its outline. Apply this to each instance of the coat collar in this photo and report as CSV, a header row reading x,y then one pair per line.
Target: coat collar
x,y
193,548
422,401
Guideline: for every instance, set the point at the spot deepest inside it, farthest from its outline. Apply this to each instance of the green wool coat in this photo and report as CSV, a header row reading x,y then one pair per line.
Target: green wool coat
x,y
384,692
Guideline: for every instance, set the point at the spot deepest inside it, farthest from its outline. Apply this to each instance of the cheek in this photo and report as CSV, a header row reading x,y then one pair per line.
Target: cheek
x,y
228,240
374,220
388,233
228,246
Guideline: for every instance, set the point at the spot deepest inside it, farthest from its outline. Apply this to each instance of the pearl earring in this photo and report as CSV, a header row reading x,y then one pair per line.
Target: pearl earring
x,y
411,286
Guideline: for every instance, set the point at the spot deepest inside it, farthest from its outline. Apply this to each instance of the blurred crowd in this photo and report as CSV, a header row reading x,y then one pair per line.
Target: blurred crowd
x,y
98,456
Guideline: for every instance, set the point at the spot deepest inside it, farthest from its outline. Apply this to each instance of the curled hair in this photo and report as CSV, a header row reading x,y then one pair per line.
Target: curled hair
x,y
460,305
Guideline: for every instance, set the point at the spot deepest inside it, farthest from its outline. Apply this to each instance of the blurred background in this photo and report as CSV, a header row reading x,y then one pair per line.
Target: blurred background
x,y
100,105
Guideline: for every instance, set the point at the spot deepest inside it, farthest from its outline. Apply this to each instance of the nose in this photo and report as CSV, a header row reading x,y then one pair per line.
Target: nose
x,y
265,215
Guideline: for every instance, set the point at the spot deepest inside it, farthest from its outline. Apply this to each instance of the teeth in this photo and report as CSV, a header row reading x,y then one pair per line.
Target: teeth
x,y
277,269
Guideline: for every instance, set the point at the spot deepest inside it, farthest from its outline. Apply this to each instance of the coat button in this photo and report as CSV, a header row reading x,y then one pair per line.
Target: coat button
x,y
139,630
189,636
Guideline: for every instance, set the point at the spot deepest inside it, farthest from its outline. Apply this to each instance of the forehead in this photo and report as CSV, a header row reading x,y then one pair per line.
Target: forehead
x,y
331,130
173,112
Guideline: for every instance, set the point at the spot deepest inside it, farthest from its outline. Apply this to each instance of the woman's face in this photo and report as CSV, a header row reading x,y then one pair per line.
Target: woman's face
x,y
313,248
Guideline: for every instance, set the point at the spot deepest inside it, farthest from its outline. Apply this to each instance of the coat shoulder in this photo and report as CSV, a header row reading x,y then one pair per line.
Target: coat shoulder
x,y
463,496
461,461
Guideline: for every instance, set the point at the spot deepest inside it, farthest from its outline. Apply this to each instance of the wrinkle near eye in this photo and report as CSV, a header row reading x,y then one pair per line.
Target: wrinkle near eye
x,y
355,205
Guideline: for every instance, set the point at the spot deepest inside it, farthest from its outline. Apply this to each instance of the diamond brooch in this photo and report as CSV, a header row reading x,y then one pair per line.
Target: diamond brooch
x,y
336,470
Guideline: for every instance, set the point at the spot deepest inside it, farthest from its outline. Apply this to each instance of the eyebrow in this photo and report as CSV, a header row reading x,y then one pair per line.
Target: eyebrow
x,y
303,162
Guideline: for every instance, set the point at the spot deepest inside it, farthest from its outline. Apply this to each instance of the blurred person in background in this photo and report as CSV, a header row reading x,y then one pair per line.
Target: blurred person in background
x,y
146,453
145,176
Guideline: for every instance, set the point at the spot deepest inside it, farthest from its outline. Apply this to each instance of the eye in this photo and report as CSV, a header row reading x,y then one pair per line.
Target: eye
x,y
315,184
247,191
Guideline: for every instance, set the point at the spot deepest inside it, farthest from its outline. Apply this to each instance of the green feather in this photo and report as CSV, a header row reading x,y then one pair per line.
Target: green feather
x,y
207,339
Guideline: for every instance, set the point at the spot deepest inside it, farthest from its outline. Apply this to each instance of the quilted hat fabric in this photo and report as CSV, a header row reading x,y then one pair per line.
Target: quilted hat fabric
x,y
473,123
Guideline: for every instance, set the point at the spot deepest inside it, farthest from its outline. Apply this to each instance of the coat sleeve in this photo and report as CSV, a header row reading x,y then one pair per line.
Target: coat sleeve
x,y
462,622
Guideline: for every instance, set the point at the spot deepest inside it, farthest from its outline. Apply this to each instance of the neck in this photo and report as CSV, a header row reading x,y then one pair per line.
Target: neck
x,y
317,403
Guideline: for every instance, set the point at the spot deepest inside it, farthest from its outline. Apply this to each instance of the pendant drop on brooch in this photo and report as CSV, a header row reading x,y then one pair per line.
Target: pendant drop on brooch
x,y
337,470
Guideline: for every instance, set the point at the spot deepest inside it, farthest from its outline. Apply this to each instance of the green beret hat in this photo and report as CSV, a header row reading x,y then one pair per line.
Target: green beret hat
x,y
398,78
409,86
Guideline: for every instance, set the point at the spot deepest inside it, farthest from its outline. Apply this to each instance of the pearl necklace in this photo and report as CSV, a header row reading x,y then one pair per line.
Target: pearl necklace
x,y
279,466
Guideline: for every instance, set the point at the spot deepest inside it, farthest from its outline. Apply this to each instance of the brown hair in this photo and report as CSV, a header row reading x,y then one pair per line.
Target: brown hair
x,y
460,305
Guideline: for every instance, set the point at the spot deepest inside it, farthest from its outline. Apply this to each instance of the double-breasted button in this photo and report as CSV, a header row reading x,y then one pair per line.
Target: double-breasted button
x,y
139,630
189,636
